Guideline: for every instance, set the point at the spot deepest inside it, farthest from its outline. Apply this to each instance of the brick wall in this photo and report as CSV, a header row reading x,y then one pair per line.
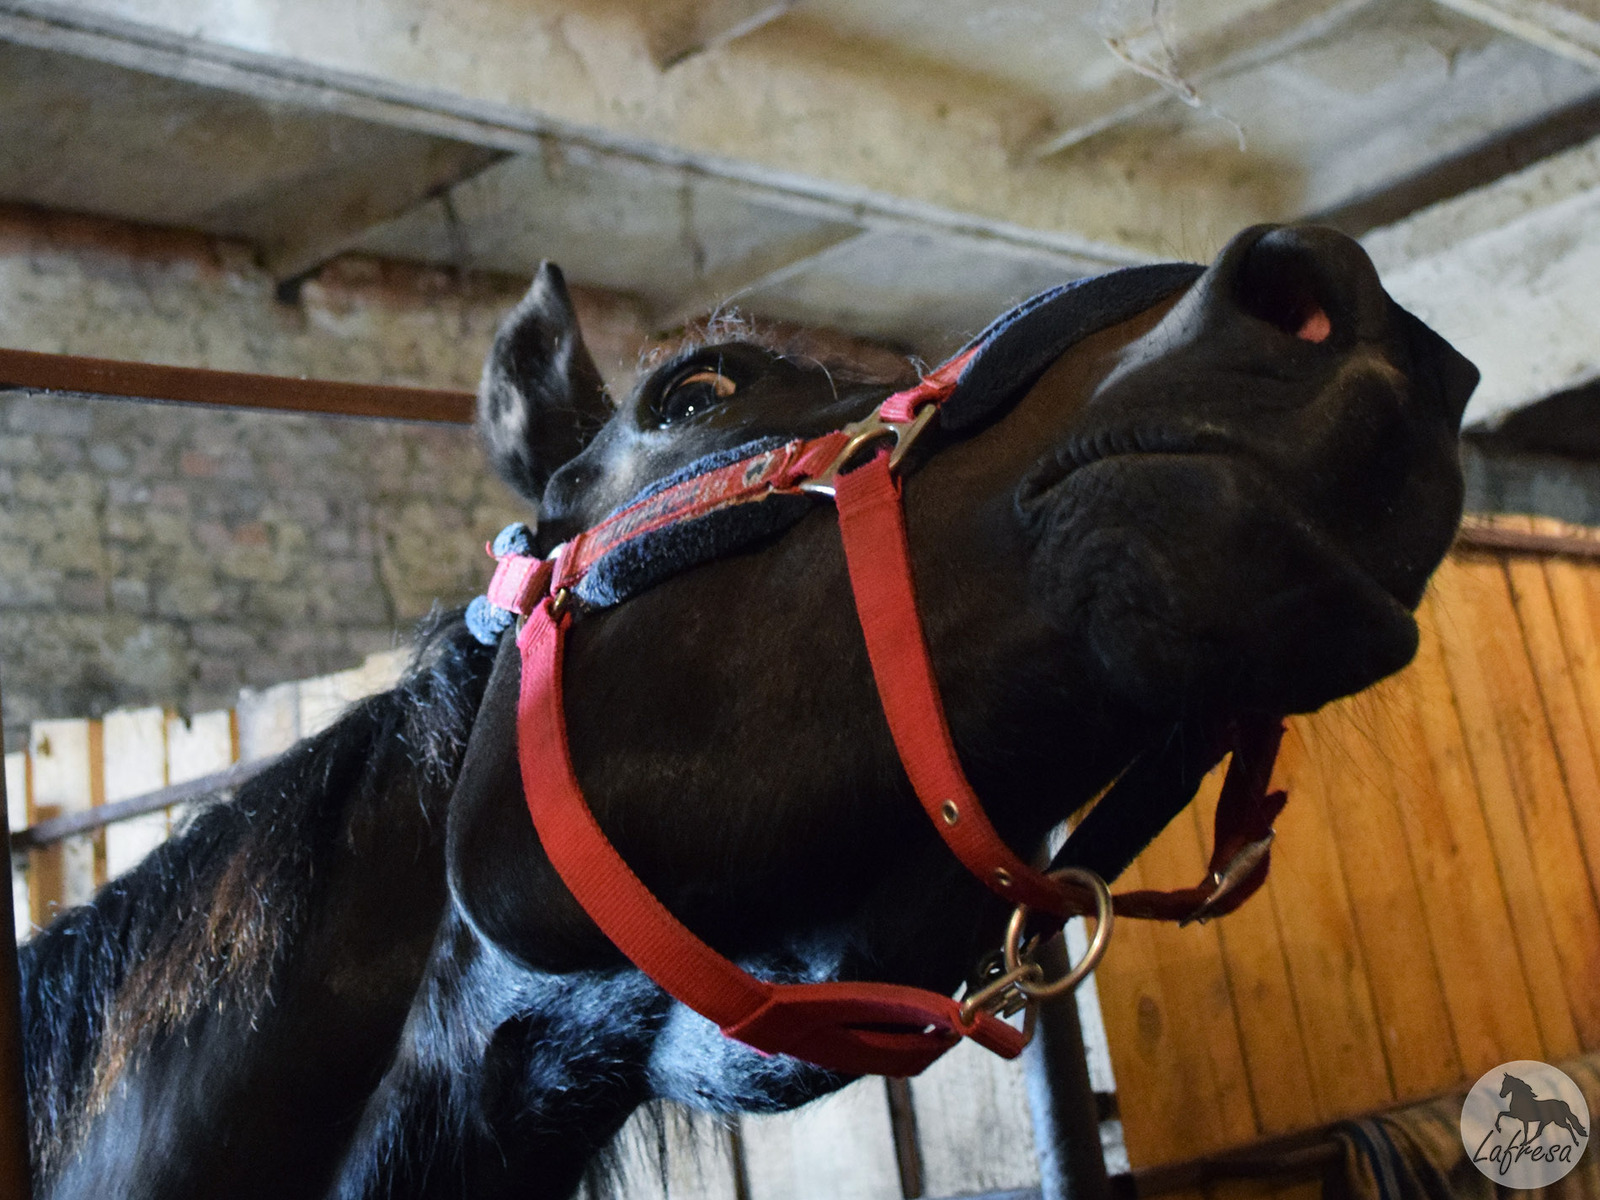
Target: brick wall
x,y
169,554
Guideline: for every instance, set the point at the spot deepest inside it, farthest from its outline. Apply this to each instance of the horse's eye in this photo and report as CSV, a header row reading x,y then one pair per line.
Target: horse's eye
x,y
693,392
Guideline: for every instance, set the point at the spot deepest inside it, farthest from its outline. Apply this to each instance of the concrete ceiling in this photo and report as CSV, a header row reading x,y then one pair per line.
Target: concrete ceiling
x,y
896,168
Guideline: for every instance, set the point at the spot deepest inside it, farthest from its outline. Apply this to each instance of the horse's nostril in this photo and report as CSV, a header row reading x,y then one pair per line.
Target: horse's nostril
x,y
1316,327
1288,305
1279,283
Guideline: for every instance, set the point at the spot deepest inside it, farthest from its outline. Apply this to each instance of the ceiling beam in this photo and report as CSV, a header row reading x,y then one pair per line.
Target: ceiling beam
x,y
1238,47
1509,151
677,32
1506,272
1570,28
328,214
797,115
768,265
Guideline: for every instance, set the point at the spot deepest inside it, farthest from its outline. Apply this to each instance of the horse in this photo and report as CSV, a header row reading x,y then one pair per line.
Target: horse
x,y
1529,1109
1214,495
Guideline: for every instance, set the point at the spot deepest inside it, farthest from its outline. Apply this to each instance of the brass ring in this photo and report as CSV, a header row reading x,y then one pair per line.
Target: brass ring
x,y
1104,917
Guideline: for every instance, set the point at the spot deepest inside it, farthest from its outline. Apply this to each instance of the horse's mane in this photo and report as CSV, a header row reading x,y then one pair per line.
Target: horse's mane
x,y
205,919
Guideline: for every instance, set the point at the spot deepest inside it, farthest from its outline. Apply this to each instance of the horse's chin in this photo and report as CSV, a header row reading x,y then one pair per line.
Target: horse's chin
x,y
1191,582
693,1064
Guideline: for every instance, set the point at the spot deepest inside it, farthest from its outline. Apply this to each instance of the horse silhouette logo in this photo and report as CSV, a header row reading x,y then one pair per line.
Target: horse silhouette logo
x,y
1525,1124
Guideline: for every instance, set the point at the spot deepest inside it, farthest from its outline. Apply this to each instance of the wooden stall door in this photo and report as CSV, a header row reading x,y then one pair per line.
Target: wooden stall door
x,y
1433,906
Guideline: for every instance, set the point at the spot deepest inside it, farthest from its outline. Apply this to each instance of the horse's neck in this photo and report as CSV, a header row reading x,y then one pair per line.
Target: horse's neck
x,y
506,1081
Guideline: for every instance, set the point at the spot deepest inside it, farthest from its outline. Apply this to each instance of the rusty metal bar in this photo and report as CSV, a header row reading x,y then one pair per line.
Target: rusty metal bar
x,y
15,1170
230,389
1516,541
71,824
1304,1155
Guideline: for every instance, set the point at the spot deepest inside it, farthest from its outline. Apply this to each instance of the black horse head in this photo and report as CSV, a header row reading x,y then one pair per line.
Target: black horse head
x,y
1143,510
1228,502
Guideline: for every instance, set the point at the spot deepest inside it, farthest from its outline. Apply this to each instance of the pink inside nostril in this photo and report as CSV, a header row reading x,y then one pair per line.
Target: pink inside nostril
x,y
1315,327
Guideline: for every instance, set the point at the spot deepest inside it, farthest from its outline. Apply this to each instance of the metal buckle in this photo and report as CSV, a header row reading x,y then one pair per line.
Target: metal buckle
x,y
1001,996
1019,982
1237,869
865,431
1015,956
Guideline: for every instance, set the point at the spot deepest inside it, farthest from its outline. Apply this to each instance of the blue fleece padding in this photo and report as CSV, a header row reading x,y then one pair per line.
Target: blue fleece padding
x,y
1021,344
515,538
486,621
647,560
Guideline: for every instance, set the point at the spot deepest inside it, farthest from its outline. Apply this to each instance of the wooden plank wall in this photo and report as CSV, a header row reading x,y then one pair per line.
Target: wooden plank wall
x,y
1434,904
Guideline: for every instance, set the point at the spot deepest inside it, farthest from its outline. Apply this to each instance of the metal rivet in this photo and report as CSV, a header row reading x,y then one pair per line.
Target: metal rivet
x,y
1002,877
949,812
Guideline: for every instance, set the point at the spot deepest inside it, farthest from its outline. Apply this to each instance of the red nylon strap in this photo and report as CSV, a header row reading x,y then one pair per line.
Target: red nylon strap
x,y
934,388
1245,813
872,524
749,479
856,1028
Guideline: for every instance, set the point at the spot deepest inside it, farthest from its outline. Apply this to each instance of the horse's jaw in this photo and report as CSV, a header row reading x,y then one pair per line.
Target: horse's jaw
x,y
1236,603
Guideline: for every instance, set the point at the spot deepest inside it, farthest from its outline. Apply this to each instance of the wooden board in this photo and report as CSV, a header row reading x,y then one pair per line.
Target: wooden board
x,y
17,817
1327,962
1351,743
135,756
667,1152
839,1147
1252,952
1470,927
268,720
202,745
1170,1022
974,1125
1524,799
66,778
1091,1018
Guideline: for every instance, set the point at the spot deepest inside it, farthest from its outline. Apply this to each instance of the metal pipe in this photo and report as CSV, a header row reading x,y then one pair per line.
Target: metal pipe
x,y
67,825
1066,1118
1517,541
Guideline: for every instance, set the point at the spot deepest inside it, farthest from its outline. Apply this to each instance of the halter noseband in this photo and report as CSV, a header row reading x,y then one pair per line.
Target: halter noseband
x,y
852,1027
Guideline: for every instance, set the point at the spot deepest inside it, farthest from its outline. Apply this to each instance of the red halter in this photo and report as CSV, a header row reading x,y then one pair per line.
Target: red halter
x,y
857,1028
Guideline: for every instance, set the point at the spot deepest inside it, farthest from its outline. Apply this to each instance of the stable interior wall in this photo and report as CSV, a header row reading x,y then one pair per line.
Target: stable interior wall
x,y
170,554
1434,903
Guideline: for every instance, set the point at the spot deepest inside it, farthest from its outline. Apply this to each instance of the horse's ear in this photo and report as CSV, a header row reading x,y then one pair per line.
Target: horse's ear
x,y
541,398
